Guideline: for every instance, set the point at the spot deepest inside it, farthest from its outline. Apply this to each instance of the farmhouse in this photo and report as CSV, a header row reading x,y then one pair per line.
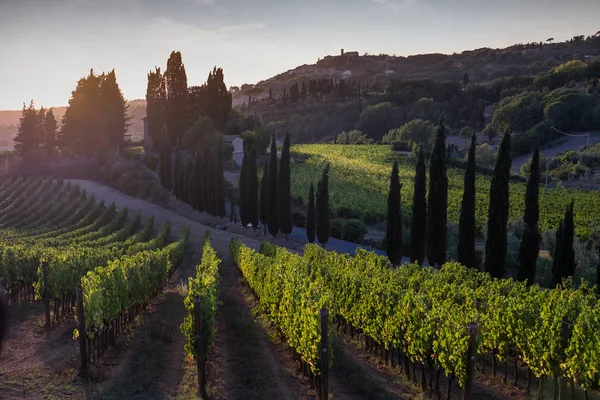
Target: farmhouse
x,y
238,147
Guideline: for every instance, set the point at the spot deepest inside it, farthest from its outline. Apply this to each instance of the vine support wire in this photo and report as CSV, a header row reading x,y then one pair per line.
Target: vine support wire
x,y
587,135
574,135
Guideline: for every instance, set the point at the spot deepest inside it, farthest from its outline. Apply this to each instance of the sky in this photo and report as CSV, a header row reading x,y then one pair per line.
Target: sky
x,y
47,45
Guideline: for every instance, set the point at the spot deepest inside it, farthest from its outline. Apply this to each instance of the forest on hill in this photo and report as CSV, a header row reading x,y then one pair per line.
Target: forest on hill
x,y
525,88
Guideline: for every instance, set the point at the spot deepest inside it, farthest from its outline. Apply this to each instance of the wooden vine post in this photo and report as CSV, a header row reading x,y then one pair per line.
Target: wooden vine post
x,y
46,293
200,356
82,331
324,392
470,360
564,336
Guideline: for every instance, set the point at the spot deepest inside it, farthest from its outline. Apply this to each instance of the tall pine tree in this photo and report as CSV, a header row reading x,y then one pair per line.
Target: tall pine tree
x,y
322,208
437,202
96,118
252,190
496,241
176,97
466,227
50,132
115,109
28,133
393,239
530,241
418,225
264,197
310,216
273,190
563,264
156,103
285,195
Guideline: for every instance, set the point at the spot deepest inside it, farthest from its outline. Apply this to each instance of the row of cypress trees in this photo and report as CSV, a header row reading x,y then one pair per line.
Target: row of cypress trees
x,y
428,229
271,203
198,179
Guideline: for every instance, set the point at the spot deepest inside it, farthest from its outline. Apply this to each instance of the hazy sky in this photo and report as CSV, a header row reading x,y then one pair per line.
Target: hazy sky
x,y
47,45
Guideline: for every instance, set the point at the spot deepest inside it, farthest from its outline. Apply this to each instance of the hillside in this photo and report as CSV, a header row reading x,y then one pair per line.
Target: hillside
x,y
377,71
525,88
359,182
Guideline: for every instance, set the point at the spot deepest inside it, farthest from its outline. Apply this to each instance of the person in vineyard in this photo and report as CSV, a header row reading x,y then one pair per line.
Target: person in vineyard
x,y
3,315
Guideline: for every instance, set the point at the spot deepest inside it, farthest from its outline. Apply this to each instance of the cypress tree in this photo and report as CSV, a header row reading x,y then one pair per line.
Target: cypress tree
x,y
185,181
310,217
322,208
177,184
252,193
285,195
207,176
563,265
530,241
466,227
196,183
273,200
176,96
496,241
219,99
418,223
243,188
558,254
166,161
393,237
264,199
220,179
437,202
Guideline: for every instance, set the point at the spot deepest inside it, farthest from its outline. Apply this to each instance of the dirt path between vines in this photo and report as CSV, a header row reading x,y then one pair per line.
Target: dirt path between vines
x,y
151,363
243,363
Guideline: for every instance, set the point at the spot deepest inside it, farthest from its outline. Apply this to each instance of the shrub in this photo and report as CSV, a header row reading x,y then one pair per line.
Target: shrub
x,y
354,230
485,156
298,219
335,228
347,213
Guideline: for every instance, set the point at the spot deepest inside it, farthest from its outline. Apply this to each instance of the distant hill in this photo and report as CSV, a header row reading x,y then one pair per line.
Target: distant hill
x,y
377,71
9,121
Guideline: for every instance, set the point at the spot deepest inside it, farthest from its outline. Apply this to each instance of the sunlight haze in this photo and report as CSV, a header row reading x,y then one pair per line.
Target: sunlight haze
x,y
48,45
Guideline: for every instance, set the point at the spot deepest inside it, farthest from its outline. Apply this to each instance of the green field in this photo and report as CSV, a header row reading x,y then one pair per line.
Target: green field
x,y
359,180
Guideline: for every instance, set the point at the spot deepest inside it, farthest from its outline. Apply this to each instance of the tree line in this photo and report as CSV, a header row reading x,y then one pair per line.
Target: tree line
x,y
185,124
271,203
428,228
95,120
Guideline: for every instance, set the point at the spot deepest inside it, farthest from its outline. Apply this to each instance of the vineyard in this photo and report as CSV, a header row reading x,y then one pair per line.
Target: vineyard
x,y
54,238
359,181
426,315
101,265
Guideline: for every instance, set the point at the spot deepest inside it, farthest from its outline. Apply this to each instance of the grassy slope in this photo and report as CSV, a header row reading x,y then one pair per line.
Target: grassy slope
x,y
359,180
